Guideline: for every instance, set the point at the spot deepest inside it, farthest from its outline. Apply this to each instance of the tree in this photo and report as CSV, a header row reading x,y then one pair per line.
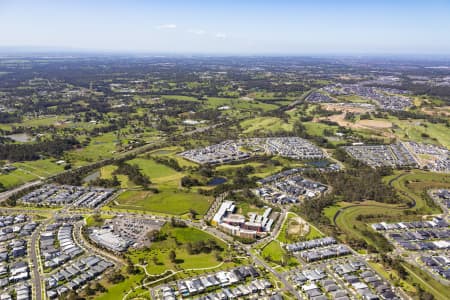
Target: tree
x,y
156,235
173,256
193,214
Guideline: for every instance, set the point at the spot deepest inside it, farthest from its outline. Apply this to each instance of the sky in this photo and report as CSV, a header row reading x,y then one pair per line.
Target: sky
x,y
247,27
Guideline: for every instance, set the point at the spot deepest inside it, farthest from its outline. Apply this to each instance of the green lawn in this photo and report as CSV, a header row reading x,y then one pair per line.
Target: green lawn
x,y
265,124
92,222
273,252
157,256
15,178
176,202
158,173
42,167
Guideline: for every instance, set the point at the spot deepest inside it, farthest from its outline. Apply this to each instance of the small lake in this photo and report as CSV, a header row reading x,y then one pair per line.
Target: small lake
x,y
217,181
20,137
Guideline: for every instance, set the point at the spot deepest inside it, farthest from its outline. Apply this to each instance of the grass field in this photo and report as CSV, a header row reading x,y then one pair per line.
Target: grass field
x,y
29,171
170,198
265,124
414,130
15,178
100,147
118,290
92,222
158,173
262,169
273,252
157,256
240,104
176,202
170,152
106,172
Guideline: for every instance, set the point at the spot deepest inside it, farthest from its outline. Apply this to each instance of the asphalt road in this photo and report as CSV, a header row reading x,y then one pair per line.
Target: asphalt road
x,y
34,259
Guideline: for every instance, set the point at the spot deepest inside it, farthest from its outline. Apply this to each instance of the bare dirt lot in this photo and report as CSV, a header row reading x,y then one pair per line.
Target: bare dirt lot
x,y
297,227
362,124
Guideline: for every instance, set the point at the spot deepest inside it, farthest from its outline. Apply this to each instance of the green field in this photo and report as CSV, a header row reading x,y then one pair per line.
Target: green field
x,y
175,202
273,252
157,256
265,124
414,130
15,178
92,222
240,104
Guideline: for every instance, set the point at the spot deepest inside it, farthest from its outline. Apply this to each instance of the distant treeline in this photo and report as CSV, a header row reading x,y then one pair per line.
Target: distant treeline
x,y
33,151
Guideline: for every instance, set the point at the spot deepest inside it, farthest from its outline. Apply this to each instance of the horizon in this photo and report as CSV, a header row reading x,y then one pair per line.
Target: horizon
x,y
241,28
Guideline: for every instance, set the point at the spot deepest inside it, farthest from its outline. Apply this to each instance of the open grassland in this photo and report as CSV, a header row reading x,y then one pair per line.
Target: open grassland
x,y
99,148
274,253
107,172
15,178
93,221
157,256
158,173
240,104
421,131
168,198
171,152
42,167
29,171
174,202
266,124
262,168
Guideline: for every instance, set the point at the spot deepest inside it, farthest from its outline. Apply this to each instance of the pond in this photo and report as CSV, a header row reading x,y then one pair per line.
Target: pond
x,y
217,181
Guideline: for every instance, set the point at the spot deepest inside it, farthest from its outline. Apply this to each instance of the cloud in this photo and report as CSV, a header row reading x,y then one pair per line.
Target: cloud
x,y
221,36
197,31
166,26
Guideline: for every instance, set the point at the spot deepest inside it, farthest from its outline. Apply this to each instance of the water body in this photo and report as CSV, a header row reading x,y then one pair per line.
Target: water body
x,y
20,137
217,181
